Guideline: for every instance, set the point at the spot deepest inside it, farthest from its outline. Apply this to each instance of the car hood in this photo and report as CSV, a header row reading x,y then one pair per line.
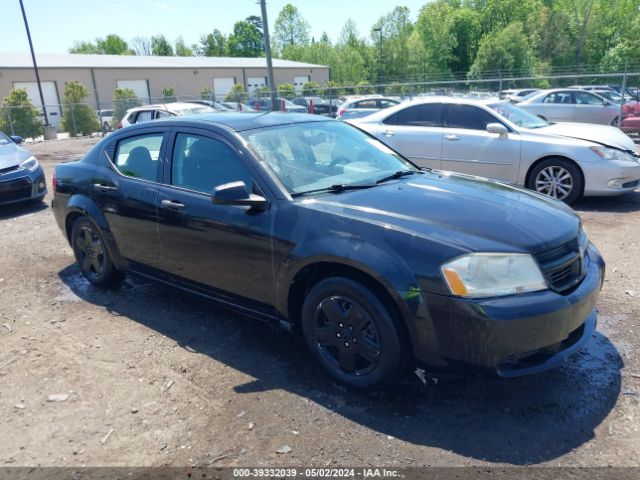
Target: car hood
x,y
11,155
602,134
458,210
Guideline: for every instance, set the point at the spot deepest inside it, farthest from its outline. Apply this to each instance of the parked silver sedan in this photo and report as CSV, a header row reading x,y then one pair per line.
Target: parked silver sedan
x,y
571,105
362,106
496,139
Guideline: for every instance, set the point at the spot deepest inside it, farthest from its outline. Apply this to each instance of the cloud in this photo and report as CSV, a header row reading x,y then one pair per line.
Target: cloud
x,y
162,6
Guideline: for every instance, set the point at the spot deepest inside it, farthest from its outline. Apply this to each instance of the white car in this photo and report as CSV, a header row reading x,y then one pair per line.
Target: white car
x,y
146,113
497,140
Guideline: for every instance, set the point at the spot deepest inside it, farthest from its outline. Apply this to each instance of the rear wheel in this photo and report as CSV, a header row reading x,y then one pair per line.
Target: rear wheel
x,y
557,178
92,255
353,334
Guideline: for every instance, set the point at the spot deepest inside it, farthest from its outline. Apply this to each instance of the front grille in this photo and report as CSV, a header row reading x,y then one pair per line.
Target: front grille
x,y
15,190
562,266
9,169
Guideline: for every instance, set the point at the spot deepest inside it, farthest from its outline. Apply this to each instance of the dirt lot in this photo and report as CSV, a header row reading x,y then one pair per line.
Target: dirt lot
x,y
150,376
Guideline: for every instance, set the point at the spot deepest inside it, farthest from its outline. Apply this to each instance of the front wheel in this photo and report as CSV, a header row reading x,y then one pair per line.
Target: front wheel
x,y
92,255
557,178
353,334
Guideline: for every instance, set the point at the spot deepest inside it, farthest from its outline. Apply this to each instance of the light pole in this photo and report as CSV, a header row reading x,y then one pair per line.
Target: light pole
x,y
379,30
47,132
267,51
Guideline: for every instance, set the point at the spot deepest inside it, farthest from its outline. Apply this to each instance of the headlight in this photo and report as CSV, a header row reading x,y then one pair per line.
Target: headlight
x,y
613,154
30,163
480,275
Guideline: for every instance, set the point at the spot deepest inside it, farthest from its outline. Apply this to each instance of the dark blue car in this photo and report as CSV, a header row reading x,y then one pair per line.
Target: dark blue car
x,y
319,227
21,176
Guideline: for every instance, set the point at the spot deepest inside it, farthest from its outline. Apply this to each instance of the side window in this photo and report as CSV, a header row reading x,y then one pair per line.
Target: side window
x,y
137,157
559,98
202,163
584,98
469,117
365,104
162,114
384,103
144,116
427,115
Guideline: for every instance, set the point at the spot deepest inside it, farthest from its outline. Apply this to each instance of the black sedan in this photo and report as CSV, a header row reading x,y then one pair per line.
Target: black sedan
x,y
21,176
318,105
318,226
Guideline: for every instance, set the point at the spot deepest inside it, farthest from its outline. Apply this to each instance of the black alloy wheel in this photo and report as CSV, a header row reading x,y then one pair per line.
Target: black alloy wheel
x,y
353,335
92,255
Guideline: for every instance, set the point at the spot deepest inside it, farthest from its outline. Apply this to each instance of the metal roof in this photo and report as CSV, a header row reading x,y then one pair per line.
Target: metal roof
x,y
56,60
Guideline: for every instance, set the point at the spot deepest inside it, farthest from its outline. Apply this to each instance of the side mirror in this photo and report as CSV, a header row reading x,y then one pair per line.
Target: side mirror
x,y
498,128
16,139
236,193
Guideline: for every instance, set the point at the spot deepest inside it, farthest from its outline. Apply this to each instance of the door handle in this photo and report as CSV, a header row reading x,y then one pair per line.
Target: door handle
x,y
388,133
452,138
172,204
104,188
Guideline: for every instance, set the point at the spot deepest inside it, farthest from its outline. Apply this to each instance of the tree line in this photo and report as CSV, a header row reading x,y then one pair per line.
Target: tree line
x,y
449,38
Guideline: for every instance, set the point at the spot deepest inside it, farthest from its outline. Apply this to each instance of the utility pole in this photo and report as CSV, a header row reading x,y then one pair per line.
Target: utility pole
x,y
379,30
267,51
35,65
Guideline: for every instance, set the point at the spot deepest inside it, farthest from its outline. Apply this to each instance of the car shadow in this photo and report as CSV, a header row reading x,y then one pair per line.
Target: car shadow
x,y
14,210
520,421
629,202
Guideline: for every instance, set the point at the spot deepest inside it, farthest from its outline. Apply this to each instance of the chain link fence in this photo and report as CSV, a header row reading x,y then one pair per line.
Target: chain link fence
x,y
620,92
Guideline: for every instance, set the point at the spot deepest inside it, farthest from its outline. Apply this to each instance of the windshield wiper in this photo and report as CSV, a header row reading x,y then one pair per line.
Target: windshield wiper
x,y
393,176
338,187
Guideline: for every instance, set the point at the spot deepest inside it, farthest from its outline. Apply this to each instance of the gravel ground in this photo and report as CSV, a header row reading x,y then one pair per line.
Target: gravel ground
x,y
148,376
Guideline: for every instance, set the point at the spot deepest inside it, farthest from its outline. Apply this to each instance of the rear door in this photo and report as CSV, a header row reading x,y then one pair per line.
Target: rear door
x,y
127,194
223,247
467,147
416,132
559,106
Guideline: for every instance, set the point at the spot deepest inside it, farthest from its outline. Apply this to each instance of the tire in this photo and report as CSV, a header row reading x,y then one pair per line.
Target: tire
x,y
614,122
106,127
92,255
353,334
557,178
543,118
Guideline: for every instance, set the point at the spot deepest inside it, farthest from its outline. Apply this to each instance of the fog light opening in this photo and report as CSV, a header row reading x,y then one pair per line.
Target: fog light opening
x,y
616,183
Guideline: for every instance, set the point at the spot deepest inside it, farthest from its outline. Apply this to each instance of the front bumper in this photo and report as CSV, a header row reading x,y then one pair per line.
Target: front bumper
x,y
511,336
22,186
610,177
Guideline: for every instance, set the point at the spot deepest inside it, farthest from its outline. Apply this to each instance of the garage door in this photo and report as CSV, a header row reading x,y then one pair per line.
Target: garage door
x,y
140,88
298,82
51,99
222,86
254,83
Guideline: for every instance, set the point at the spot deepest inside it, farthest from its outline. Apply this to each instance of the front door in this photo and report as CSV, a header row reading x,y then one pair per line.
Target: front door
x,y
559,106
127,194
415,132
467,147
227,248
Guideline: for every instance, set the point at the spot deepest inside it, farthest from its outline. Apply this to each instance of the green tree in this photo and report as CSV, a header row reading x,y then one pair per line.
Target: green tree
x,y
213,44
236,94
390,36
77,116
245,41
123,100
435,28
160,46
168,94
310,89
18,116
181,48
141,46
290,28
286,90
110,45
363,87
206,93
504,51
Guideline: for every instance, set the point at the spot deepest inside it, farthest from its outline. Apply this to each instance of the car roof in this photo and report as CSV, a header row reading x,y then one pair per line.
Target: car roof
x,y
169,107
239,121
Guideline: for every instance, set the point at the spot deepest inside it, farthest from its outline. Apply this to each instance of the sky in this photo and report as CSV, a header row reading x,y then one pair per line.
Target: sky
x,y
56,25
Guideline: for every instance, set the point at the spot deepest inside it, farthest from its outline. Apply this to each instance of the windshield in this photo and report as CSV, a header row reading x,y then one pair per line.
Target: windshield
x,y
518,116
320,155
